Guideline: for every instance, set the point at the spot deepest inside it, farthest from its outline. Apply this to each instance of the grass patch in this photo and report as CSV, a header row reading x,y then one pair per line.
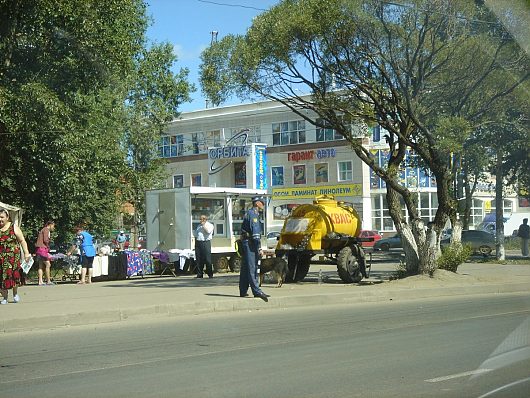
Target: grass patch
x,y
512,243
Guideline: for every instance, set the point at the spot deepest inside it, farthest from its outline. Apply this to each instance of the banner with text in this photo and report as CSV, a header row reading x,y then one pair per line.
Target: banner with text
x,y
261,167
312,192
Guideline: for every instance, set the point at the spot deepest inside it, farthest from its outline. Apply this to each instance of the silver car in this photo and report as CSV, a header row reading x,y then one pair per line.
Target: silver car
x,y
272,239
480,241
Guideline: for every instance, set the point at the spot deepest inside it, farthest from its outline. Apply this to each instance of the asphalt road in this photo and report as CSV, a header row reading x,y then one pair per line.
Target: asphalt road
x,y
429,348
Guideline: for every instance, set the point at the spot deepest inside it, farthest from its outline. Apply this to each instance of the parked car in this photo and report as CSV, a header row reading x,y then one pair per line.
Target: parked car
x,y
480,241
385,244
365,233
511,223
272,239
446,233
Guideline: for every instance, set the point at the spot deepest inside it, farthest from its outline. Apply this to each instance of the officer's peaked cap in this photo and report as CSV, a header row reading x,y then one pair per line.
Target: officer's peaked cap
x,y
258,199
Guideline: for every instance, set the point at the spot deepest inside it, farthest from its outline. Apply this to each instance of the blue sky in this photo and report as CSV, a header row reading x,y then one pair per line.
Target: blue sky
x,y
187,25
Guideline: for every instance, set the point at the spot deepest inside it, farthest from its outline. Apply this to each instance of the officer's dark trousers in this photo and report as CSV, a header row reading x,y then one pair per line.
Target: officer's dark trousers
x,y
203,256
248,275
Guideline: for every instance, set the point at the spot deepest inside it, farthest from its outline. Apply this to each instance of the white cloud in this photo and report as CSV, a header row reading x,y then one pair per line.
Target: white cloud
x,y
186,54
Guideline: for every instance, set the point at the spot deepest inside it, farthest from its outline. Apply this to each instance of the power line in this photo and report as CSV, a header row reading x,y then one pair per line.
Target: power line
x,y
232,5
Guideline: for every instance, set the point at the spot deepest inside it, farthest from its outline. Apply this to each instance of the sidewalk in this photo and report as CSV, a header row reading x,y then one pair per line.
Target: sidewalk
x,y
69,304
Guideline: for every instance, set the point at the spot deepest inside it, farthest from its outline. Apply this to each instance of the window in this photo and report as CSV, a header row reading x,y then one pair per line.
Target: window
x,y
196,180
195,142
214,138
171,146
254,133
345,170
476,212
321,172
376,133
299,174
507,207
240,174
425,207
277,175
178,181
286,133
327,133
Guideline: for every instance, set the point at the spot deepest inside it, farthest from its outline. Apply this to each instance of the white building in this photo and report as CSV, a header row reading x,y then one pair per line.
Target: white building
x,y
264,145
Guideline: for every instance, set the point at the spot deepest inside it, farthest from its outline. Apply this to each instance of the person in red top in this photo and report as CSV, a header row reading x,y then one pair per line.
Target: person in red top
x,y
43,252
11,242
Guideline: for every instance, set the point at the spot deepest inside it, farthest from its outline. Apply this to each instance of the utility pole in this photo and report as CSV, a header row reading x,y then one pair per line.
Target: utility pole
x,y
214,36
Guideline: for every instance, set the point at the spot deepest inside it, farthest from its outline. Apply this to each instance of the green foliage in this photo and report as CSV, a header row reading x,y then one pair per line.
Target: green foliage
x,y
215,77
78,90
454,255
428,72
153,100
451,133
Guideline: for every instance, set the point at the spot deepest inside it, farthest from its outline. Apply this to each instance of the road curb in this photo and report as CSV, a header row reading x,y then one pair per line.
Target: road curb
x,y
251,304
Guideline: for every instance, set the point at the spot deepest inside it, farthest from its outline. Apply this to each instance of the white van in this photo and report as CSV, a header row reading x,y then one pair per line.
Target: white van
x,y
511,223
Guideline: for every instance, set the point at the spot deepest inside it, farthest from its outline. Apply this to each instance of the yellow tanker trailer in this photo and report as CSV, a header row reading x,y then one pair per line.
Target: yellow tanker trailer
x,y
325,227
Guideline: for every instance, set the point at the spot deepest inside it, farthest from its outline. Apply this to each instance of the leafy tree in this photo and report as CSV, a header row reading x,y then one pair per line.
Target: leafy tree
x,y
152,102
499,142
68,69
509,139
420,69
215,75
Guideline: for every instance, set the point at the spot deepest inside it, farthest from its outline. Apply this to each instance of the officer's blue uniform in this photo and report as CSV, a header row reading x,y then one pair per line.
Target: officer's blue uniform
x,y
251,241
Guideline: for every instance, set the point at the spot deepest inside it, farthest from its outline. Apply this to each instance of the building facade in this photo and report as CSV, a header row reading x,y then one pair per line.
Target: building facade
x,y
264,145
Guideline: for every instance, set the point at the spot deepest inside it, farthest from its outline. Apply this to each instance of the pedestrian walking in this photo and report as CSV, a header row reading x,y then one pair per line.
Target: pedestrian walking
x,y
43,253
12,242
84,241
524,233
251,241
203,247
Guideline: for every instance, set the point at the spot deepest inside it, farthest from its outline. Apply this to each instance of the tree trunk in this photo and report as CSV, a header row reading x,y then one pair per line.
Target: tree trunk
x,y
499,207
456,236
407,239
467,201
431,248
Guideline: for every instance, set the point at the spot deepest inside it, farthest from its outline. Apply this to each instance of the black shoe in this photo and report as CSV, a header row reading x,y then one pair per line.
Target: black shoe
x,y
263,296
198,276
243,295
210,276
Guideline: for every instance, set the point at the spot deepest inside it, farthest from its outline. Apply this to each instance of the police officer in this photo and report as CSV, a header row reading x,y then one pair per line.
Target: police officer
x,y
251,242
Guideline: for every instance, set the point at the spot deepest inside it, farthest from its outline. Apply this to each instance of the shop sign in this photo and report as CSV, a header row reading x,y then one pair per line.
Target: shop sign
x,y
311,154
229,152
312,192
261,167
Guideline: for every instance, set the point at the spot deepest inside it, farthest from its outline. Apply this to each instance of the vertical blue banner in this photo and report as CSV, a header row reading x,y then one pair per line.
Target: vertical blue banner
x,y
261,167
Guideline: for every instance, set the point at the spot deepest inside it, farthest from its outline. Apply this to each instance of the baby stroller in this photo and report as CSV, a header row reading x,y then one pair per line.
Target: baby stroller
x,y
69,266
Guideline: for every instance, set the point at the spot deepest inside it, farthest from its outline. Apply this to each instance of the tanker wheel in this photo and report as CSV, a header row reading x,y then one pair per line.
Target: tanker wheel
x,y
348,266
221,264
235,263
298,266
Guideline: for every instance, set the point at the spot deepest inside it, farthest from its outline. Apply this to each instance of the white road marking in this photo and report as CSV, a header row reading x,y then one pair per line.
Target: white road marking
x,y
457,375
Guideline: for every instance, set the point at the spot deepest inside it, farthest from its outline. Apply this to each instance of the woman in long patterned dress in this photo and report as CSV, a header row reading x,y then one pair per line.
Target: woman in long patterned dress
x,y
11,240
